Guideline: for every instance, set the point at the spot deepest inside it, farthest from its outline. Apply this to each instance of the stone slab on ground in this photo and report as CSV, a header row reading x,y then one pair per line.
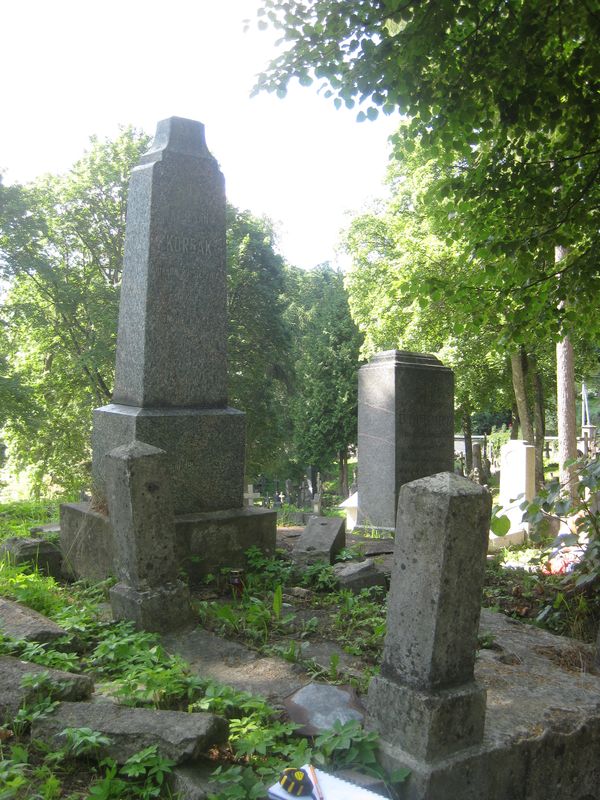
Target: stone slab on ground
x,y
370,546
66,685
326,654
192,782
317,706
178,735
358,575
20,622
51,527
35,550
322,540
211,656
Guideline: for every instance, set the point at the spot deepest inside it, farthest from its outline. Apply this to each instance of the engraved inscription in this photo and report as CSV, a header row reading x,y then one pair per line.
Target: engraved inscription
x,y
183,245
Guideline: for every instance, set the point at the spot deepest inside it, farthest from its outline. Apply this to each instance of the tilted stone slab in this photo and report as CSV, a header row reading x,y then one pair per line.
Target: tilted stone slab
x,y
21,622
322,539
358,575
178,735
66,685
35,550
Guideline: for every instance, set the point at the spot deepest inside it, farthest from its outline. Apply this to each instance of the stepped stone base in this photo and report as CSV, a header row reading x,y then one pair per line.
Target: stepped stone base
x,y
205,542
205,448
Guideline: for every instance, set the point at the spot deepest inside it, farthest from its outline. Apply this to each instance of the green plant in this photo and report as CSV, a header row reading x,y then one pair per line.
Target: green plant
x,y
84,741
360,621
319,576
264,572
31,588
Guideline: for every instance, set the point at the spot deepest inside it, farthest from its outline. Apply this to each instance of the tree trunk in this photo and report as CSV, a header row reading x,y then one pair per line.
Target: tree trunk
x,y
343,462
539,422
565,411
565,408
467,431
514,426
518,370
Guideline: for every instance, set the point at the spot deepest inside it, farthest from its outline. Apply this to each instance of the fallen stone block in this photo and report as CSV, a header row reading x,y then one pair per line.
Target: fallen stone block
x,y
317,706
192,782
178,735
358,575
322,540
65,685
34,550
21,622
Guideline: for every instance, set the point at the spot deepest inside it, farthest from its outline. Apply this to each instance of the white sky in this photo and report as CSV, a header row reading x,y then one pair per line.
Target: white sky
x,y
73,68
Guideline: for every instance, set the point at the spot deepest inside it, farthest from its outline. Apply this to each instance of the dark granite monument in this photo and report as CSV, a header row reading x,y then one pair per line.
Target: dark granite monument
x,y
405,429
171,366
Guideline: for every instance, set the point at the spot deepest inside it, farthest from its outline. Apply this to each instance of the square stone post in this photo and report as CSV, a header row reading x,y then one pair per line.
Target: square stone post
x,y
141,512
426,704
405,429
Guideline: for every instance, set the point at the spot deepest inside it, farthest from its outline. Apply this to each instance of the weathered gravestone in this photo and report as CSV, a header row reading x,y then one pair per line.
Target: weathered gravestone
x,y
149,591
405,429
539,736
426,702
171,367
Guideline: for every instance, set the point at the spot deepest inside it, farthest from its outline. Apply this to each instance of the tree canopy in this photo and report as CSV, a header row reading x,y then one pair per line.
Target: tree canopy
x,y
504,97
61,250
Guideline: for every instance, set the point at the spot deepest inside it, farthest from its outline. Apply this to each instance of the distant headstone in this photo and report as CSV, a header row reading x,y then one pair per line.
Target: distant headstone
x,y
426,702
321,540
517,484
141,511
405,429
350,506
478,461
250,496
317,504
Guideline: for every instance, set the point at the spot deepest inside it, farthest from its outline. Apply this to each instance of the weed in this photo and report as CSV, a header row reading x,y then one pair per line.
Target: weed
x,y
319,576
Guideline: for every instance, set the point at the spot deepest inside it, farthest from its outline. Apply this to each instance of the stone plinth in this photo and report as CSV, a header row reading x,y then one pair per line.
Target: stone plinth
x,y
212,540
405,429
205,449
426,700
205,542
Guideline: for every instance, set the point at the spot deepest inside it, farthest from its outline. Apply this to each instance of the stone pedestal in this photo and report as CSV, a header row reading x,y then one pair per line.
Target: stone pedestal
x,y
426,701
405,429
205,450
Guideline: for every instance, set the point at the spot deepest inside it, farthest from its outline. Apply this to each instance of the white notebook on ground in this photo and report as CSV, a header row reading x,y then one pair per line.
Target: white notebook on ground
x,y
332,788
